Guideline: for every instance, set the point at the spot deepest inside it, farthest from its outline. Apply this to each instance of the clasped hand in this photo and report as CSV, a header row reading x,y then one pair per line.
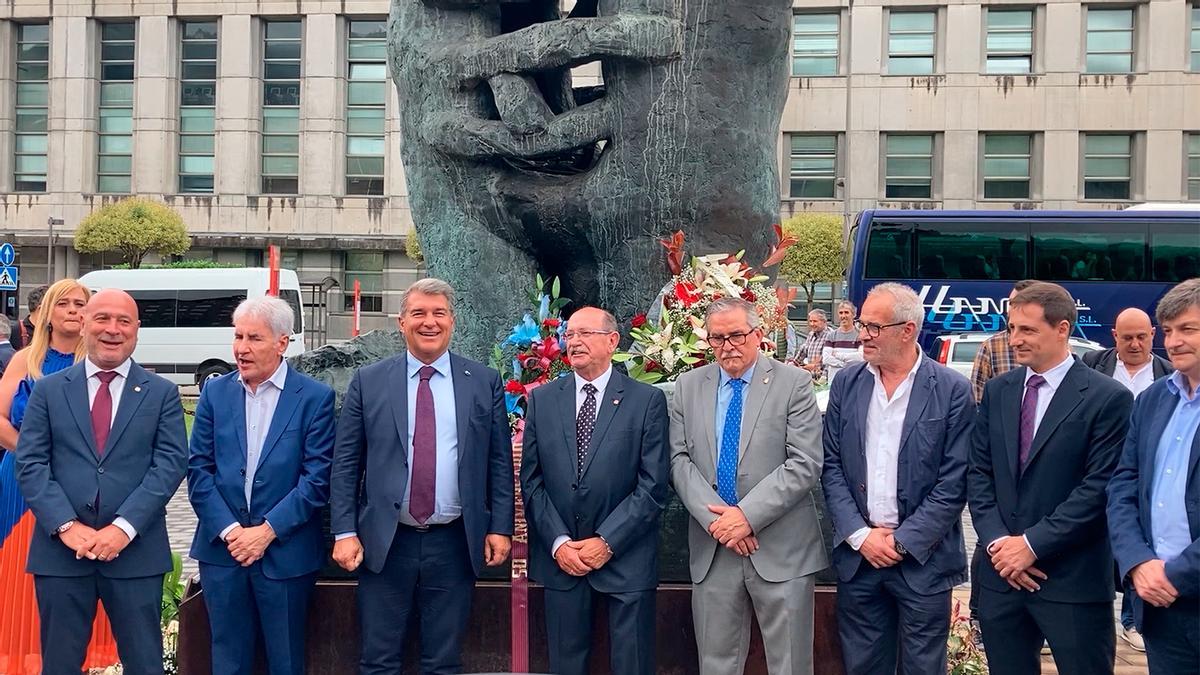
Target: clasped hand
x,y
104,544
248,544
1013,560
577,558
732,530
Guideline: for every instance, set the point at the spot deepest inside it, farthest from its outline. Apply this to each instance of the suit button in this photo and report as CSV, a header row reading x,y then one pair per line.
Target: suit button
x,y
574,486
243,472
715,486
100,470
245,512
397,505
578,518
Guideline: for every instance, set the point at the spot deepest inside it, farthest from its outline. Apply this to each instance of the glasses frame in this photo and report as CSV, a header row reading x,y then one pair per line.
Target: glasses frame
x,y
735,339
572,334
874,329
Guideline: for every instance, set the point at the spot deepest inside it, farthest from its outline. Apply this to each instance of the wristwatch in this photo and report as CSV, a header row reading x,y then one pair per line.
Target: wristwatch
x,y
64,527
900,548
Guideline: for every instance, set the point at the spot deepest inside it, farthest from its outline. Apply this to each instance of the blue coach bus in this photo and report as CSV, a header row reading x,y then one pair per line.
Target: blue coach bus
x,y
964,263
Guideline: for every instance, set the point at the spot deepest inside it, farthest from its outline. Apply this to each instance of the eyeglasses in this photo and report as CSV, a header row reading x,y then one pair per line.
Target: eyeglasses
x,y
581,334
873,329
735,339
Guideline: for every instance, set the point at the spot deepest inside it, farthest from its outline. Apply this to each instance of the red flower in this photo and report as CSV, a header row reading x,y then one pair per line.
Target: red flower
x,y
551,322
638,320
748,295
687,293
650,366
674,246
514,387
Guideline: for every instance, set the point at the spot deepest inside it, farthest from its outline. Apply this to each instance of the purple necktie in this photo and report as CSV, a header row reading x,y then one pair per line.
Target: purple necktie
x,y
1029,417
424,443
102,410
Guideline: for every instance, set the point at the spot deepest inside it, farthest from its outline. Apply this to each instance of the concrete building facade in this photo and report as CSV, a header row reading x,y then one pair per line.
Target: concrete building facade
x,y
273,122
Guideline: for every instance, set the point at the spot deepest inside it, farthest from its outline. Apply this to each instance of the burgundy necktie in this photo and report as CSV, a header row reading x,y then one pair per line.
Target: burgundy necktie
x,y
1029,417
424,467
102,410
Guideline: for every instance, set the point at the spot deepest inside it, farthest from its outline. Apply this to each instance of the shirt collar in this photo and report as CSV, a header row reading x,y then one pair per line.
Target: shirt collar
x,y
746,376
600,383
277,378
122,370
441,364
1177,384
912,372
1055,375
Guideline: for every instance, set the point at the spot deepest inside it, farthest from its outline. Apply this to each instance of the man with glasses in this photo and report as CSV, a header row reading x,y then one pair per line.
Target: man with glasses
x,y
594,474
745,458
897,436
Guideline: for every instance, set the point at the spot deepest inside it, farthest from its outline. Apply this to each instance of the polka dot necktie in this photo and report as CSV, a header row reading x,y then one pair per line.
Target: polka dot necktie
x,y
585,424
1028,418
730,437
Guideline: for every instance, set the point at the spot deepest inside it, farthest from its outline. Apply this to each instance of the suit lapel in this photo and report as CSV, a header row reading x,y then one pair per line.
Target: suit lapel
x,y
1010,417
399,400
1068,396
289,401
565,400
708,408
922,391
756,397
237,413
866,389
131,399
77,401
609,403
462,381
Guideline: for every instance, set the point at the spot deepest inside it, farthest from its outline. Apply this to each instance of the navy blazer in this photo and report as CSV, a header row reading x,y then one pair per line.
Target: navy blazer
x,y
621,493
370,456
931,478
1105,361
1129,496
291,482
64,477
1058,502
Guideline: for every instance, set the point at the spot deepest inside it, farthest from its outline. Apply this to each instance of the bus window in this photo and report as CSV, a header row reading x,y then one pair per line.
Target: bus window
x,y
889,252
1176,255
1084,256
207,309
293,300
970,251
156,309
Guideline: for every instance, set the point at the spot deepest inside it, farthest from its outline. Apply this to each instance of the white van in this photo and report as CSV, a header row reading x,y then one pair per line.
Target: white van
x,y
187,315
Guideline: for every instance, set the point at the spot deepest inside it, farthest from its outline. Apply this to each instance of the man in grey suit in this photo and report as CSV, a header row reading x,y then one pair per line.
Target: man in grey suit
x,y
745,458
897,437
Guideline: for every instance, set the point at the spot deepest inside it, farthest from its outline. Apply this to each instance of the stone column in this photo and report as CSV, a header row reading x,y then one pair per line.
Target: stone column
x,y
239,99
323,104
73,95
156,101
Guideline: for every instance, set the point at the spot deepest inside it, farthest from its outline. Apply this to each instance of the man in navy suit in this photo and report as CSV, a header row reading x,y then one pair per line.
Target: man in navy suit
x,y
1046,441
102,450
422,487
594,475
897,433
258,477
1154,496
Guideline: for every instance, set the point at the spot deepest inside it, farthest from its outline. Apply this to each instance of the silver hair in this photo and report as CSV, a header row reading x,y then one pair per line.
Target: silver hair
x,y
1178,300
906,304
428,286
820,313
5,327
273,311
851,305
722,305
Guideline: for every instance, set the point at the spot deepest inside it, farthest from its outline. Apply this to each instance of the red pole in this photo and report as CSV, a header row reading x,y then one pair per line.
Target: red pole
x,y
357,307
273,261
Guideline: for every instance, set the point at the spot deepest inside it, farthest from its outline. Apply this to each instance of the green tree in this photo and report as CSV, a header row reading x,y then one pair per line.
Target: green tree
x,y
133,227
819,254
412,247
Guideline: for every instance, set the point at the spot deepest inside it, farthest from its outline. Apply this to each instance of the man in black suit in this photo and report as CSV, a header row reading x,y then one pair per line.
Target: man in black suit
x,y
1127,362
594,475
102,451
422,487
1046,440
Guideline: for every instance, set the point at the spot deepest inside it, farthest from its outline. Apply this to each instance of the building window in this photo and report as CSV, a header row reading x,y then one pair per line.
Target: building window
x,y
912,43
367,268
1193,166
909,166
815,44
813,166
114,165
1195,41
1006,166
1109,40
1107,166
1009,41
366,98
33,95
197,105
281,107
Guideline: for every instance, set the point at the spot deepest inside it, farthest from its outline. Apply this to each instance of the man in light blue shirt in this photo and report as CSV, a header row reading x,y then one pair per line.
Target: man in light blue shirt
x,y
1154,496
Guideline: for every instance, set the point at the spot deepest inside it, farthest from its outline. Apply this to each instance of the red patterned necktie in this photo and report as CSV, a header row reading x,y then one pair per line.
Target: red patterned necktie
x,y
102,410
424,443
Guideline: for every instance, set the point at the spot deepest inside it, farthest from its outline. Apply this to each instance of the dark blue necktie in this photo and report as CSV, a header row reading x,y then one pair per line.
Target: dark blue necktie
x,y
731,435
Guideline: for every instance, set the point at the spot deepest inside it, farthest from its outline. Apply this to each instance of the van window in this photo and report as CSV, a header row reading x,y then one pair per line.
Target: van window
x,y
207,309
156,309
293,299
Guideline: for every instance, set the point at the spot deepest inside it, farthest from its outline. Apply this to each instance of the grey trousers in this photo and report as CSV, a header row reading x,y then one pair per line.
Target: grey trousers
x,y
724,602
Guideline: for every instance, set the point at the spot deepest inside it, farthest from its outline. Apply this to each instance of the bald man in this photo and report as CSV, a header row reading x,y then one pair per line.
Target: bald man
x,y
98,487
1131,362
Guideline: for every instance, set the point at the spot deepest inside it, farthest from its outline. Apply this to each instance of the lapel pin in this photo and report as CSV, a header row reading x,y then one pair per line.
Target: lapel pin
x,y
466,372
137,388
766,380
616,401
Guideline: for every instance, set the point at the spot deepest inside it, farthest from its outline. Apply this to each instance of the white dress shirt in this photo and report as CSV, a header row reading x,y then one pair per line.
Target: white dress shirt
x,y
115,388
1134,382
260,410
885,426
600,383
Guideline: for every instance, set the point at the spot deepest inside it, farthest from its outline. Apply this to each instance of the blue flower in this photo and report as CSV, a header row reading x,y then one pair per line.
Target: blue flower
x,y
524,333
543,308
512,401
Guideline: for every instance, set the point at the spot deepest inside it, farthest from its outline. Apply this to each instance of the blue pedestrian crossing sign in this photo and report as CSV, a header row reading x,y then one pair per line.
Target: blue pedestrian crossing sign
x,y
8,278
7,254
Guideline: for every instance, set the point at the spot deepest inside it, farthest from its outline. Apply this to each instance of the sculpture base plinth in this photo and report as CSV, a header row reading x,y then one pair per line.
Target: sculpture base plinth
x,y
333,638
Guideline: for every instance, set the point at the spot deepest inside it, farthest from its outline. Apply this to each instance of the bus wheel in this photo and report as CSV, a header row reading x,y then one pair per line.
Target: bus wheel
x,y
211,372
